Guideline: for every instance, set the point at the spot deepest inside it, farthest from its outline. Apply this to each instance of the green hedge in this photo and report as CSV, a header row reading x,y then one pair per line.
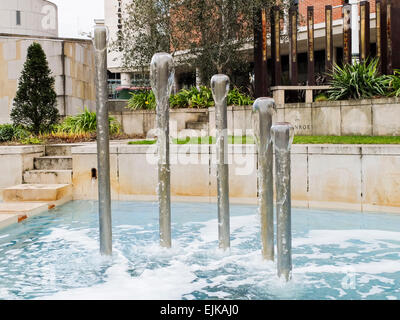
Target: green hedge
x,y
187,98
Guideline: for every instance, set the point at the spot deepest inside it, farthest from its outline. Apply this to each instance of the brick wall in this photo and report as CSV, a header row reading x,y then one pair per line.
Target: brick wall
x,y
319,9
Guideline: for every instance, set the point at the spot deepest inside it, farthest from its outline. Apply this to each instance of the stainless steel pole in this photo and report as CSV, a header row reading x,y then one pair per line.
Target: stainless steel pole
x,y
220,88
283,134
103,140
265,108
162,81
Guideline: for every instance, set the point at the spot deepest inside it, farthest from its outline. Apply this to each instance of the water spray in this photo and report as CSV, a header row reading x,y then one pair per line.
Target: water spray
x,y
103,139
265,108
282,135
220,89
162,80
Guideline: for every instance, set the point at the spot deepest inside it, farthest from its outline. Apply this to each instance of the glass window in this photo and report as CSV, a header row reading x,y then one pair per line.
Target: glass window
x,y
18,18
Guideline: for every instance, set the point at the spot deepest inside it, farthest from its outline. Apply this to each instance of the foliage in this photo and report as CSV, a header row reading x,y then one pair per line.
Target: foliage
x,y
85,122
187,98
9,132
142,100
36,100
236,98
212,33
357,81
321,97
394,84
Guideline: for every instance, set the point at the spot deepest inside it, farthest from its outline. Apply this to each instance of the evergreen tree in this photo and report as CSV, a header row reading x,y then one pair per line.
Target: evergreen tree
x,y
35,104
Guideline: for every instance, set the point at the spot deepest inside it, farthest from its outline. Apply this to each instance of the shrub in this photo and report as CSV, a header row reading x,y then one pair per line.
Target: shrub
x,y
36,100
9,132
236,98
142,100
187,98
394,84
85,122
357,81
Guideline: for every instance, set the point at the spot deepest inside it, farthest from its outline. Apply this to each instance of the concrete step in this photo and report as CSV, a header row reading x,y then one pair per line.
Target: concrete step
x,y
58,150
48,177
53,163
191,133
23,209
197,125
53,194
203,118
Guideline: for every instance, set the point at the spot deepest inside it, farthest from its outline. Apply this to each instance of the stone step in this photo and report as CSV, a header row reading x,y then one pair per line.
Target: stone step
x,y
58,150
23,209
203,118
48,177
197,125
53,163
53,194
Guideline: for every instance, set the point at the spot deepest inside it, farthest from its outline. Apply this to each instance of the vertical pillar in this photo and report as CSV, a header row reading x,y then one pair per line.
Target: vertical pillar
x,y
393,25
389,37
364,30
381,37
162,77
293,64
220,88
310,46
126,79
265,108
328,39
347,53
276,45
355,36
260,53
103,140
283,134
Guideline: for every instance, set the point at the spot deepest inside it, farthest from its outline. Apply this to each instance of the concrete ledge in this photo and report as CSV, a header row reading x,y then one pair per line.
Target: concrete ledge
x,y
7,220
6,150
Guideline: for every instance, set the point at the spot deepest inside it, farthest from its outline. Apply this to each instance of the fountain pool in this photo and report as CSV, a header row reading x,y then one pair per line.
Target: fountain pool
x,y
335,256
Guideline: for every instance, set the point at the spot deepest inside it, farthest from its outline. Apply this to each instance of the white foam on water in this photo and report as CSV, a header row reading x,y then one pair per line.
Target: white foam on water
x,y
77,237
342,238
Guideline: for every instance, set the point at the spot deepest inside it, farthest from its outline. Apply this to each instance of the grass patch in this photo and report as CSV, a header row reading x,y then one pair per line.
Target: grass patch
x,y
297,140
345,140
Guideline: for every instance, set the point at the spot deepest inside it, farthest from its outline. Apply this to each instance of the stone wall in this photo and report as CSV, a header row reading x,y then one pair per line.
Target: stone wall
x,y
142,122
14,161
359,177
376,117
71,63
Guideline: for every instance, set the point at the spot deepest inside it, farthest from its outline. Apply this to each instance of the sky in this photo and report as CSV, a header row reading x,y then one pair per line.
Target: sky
x,y
77,16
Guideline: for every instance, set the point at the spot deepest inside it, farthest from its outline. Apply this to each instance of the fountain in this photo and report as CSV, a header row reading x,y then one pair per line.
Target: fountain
x,y
220,88
265,108
103,139
282,135
162,80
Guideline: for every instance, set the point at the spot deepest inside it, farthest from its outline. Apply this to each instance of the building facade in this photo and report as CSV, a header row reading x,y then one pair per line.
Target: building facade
x,y
29,17
70,60
114,10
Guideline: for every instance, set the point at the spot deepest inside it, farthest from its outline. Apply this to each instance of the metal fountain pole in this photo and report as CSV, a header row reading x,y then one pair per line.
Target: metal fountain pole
x,y
266,109
162,80
103,140
220,88
282,135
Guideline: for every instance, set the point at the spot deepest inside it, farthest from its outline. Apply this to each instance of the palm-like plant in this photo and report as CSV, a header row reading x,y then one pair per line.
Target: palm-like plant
x,y
358,81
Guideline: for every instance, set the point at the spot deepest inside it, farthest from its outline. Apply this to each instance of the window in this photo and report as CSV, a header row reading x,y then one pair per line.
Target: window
x,y
18,18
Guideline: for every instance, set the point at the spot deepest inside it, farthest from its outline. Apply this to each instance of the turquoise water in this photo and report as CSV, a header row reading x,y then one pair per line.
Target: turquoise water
x,y
335,256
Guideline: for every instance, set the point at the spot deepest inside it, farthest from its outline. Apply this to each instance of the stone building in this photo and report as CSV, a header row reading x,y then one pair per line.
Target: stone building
x,y
70,60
